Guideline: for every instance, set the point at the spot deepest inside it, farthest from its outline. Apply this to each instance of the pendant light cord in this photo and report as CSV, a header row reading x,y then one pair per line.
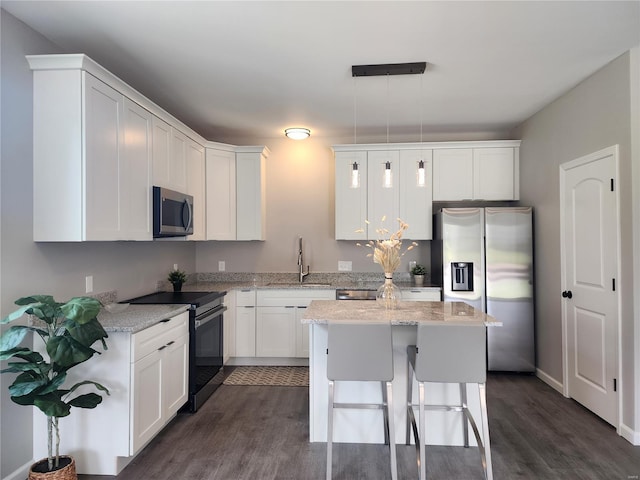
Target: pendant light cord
x,y
355,111
388,108
420,107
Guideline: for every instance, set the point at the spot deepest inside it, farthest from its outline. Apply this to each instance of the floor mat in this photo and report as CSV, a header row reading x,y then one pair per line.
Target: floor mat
x,y
272,376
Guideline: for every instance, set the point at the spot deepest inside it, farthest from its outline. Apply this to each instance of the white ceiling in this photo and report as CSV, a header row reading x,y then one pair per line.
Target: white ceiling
x,y
240,72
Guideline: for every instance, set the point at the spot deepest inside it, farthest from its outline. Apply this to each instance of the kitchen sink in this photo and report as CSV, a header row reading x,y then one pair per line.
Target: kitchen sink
x,y
295,284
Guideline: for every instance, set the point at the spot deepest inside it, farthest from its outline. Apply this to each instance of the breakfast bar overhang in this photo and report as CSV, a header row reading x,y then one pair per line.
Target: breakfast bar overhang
x,y
365,426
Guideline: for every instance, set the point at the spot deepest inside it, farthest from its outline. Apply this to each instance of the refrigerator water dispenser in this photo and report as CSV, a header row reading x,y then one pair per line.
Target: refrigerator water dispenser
x,y
462,276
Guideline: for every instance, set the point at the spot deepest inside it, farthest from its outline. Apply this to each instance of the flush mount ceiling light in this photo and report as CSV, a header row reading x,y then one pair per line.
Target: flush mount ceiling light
x,y
297,133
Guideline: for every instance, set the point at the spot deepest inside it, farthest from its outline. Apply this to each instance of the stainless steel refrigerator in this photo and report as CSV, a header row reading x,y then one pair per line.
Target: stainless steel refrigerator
x,y
484,256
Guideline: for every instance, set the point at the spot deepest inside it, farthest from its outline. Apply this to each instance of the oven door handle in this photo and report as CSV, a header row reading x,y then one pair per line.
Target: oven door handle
x,y
210,316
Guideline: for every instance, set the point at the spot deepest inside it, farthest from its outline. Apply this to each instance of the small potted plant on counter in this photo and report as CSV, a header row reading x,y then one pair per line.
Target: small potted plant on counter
x,y
418,274
177,278
68,331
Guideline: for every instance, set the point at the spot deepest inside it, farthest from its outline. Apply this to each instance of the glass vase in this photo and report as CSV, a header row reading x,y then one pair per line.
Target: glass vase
x,y
388,295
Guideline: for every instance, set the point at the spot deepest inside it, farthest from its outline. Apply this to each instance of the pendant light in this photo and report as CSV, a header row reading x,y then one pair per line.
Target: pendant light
x,y
387,176
355,174
421,176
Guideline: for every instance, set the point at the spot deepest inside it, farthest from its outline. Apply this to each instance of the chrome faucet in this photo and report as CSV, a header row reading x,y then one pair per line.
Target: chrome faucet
x,y
301,272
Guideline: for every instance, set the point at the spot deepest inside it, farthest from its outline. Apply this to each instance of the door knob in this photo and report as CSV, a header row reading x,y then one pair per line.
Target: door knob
x,y
567,294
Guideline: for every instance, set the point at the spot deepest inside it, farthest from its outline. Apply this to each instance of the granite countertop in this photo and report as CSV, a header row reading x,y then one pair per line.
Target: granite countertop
x,y
137,317
408,313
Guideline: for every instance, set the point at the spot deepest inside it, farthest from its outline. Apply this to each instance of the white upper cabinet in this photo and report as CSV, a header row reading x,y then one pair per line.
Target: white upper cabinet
x,y
382,184
169,156
135,174
196,187
99,147
221,194
477,173
235,185
453,174
385,180
91,160
416,193
178,161
351,195
251,193
383,191
496,174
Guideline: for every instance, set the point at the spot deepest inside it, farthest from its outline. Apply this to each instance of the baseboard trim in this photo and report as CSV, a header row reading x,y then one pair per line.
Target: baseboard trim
x,y
549,380
21,473
629,435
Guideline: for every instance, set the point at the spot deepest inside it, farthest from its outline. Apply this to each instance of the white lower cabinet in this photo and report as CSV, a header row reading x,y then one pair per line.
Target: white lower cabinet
x,y
279,331
245,323
147,376
159,377
276,331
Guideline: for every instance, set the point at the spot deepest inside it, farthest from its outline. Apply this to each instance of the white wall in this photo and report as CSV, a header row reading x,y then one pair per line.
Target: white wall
x,y
593,115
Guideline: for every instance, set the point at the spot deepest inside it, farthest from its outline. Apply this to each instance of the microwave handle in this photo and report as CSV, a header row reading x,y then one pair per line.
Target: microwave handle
x,y
190,220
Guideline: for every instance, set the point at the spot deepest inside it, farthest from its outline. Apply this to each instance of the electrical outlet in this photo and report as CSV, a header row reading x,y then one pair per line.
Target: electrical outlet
x,y
221,266
344,266
175,266
88,282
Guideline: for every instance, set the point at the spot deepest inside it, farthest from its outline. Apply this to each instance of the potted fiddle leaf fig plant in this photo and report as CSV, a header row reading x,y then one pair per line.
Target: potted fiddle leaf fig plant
x,y
68,332
419,271
177,278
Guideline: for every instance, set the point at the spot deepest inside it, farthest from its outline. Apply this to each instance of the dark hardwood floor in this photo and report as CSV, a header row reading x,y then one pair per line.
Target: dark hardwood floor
x,y
258,433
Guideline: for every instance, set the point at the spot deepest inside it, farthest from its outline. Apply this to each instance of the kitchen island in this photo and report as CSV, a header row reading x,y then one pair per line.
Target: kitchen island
x,y
365,426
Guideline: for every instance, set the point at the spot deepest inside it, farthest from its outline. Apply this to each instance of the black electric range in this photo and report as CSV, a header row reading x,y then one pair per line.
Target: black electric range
x,y
206,326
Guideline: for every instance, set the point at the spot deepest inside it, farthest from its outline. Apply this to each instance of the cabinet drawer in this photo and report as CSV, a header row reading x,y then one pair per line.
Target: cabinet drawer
x,y
154,337
417,294
299,297
246,297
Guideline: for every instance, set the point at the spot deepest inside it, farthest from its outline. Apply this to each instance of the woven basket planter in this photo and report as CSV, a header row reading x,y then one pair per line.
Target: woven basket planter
x,y
68,472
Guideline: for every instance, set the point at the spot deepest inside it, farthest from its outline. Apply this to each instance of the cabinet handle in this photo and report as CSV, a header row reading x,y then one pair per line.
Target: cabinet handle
x,y
165,320
162,347
289,306
170,343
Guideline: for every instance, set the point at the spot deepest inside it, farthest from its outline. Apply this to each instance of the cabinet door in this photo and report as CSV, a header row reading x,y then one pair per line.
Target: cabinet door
x,y
103,151
275,331
494,174
135,174
147,399
416,193
161,155
175,371
302,334
453,174
245,331
221,194
250,196
351,198
383,193
178,161
196,188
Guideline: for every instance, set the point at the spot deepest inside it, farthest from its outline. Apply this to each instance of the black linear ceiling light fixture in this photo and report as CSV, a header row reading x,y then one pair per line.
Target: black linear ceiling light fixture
x,y
388,69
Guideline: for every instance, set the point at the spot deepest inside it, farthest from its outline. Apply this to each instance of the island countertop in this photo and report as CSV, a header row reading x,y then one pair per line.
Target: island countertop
x,y
407,313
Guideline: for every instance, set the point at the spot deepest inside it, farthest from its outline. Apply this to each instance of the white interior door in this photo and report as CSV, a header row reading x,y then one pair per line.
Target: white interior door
x,y
590,231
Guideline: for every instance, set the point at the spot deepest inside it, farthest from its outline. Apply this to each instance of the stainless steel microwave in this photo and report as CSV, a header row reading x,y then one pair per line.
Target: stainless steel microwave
x,y
172,213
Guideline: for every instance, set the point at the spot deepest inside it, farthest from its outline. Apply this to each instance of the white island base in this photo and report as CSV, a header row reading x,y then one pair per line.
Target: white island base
x,y
366,426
